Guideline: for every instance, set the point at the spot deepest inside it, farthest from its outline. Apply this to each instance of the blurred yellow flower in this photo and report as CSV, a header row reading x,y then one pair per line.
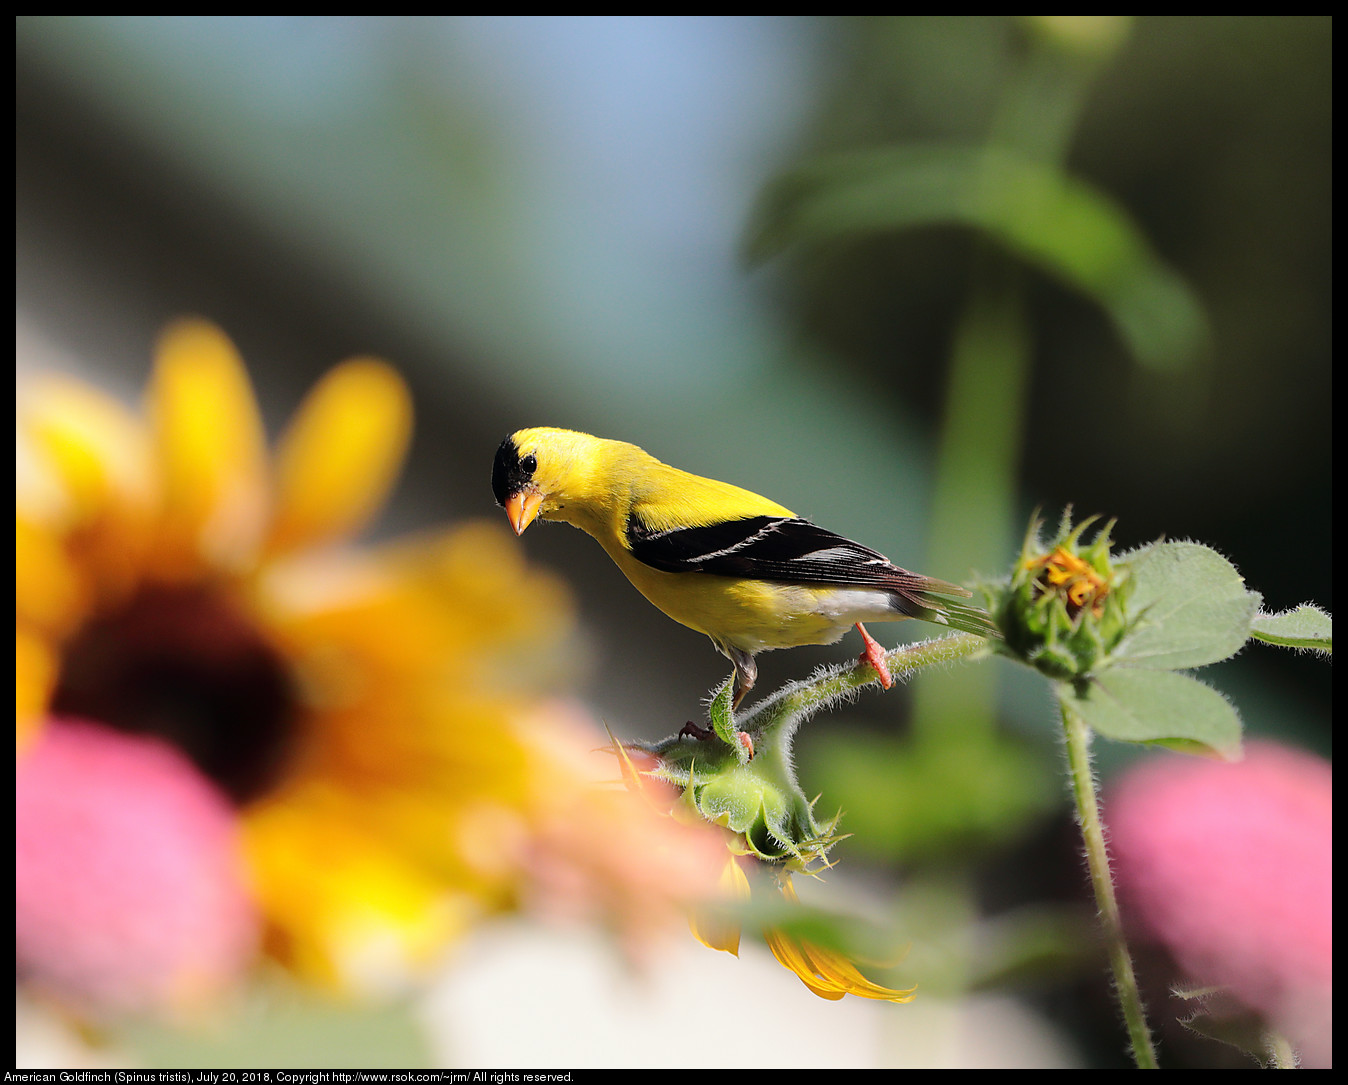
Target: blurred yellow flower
x,y
365,711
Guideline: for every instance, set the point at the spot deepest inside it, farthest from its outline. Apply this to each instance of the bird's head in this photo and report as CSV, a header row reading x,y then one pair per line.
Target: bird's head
x,y
539,473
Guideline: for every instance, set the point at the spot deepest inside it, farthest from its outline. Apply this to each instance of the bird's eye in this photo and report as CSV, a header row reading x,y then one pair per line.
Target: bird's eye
x,y
529,464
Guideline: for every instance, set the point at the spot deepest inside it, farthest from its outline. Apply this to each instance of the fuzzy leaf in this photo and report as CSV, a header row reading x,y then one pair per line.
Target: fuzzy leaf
x,y
1159,707
1190,605
1305,627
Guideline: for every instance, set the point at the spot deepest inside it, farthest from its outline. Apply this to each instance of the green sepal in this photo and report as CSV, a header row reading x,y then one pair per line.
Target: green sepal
x,y
758,799
745,803
721,714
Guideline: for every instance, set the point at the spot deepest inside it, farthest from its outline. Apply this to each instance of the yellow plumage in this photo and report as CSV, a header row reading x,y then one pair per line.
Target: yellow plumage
x,y
727,562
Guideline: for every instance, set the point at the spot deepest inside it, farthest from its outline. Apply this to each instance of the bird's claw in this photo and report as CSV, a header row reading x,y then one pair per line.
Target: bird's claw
x,y
875,656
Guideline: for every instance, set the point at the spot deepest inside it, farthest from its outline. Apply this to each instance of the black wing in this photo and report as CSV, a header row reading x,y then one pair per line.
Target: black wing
x,y
795,550
765,548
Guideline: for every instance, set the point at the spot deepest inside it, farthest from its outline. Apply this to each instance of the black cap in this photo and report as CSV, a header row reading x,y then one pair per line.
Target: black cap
x,y
509,473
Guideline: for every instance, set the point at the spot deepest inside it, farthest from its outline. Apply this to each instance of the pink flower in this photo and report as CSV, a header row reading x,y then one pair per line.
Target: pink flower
x,y
1230,867
129,890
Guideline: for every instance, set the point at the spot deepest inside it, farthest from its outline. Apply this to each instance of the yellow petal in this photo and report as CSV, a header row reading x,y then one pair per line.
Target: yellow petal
x,y
97,450
48,592
341,454
211,447
34,676
91,482
348,909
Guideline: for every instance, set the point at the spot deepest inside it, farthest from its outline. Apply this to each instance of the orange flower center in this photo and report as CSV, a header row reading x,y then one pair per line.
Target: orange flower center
x,y
1073,578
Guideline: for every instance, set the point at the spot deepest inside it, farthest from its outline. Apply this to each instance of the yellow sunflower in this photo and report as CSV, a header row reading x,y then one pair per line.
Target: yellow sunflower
x,y
359,714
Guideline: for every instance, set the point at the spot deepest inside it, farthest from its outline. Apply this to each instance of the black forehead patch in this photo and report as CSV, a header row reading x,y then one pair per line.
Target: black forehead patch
x,y
509,475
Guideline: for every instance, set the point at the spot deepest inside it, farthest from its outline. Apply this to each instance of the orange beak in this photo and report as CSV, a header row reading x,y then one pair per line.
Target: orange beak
x,y
521,509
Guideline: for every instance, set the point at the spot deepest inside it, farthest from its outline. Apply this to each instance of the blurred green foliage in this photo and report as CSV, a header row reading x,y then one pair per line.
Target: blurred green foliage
x,y
1048,218
1214,134
1094,164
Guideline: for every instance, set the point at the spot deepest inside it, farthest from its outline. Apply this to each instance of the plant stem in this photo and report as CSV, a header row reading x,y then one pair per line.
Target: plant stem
x,y
1097,859
796,702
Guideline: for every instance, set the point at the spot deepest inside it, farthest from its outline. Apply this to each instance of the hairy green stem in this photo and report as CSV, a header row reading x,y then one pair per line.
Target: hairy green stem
x,y
1097,859
796,702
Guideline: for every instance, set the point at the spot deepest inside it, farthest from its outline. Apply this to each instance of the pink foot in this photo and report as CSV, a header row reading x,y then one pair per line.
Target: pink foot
x,y
875,656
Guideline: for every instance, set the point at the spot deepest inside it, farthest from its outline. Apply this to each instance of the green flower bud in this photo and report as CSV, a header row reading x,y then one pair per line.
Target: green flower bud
x,y
1063,611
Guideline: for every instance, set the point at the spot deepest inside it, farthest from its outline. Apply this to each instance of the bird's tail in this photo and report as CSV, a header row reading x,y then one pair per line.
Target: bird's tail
x,y
926,604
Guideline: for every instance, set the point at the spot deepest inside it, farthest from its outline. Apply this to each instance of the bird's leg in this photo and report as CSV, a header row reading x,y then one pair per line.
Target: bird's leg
x,y
875,656
746,673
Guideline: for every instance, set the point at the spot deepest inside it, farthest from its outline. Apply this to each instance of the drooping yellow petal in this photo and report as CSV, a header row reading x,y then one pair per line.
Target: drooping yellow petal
x,y
719,929
212,451
832,966
789,955
341,454
826,972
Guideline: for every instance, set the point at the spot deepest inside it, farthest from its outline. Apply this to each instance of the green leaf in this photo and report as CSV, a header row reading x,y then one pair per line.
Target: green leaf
x,y
1063,225
1190,606
1305,627
1160,707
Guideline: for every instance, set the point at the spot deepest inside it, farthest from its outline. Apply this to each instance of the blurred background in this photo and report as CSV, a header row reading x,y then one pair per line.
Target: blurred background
x,y
912,277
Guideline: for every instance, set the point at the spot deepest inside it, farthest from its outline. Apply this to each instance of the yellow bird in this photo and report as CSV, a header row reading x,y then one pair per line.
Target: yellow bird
x,y
744,570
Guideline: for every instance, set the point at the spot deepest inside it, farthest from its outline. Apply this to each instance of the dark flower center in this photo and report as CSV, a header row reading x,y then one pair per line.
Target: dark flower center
x,y
183,663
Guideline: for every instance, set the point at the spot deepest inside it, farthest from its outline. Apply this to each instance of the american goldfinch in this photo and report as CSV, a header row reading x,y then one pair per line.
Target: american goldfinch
x,y
747,572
